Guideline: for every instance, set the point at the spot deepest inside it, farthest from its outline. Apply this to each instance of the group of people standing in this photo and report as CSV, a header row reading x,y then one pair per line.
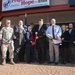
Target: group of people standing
x,y
67,49
37,42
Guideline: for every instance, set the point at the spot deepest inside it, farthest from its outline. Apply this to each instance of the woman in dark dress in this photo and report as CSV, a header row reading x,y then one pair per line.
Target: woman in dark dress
x,y
65,45
29,45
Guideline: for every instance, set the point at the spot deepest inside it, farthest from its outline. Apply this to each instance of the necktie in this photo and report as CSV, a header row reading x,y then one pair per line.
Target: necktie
x,y
39,28
70,31
53,32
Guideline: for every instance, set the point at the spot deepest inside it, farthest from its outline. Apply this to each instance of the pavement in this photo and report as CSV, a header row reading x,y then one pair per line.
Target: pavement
x,y
36,69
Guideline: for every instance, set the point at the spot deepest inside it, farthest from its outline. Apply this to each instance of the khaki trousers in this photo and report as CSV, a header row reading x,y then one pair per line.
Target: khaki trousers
x,y
53,51
6,47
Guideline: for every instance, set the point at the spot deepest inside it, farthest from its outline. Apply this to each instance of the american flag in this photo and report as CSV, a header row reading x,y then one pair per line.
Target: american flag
x,y
26,23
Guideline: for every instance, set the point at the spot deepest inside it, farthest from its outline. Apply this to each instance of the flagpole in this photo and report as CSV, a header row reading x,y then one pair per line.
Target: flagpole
x,y
25,23
26,19
25,31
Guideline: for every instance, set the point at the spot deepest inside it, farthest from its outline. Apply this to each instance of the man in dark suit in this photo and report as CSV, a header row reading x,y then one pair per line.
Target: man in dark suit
x,y
72,44
40,40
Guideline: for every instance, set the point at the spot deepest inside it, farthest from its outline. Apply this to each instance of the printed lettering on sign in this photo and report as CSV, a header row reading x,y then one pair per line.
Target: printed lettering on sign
x,y
8,5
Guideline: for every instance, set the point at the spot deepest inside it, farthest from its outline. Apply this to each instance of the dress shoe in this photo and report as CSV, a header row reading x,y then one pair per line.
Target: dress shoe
x,y
56,63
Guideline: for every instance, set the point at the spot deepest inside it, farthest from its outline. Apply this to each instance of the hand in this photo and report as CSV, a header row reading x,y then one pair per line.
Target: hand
x,y
62,38
33,43
74,42
36,33
37,37
56,38
20,31
0,38
51,37
14,37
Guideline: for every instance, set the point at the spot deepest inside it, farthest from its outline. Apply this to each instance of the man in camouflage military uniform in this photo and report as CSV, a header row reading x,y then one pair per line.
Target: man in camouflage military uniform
x,y
7,44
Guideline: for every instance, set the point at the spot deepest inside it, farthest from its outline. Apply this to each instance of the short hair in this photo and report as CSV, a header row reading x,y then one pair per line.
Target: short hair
x,y
71,23
53,20
8,21
64,25
31,23
0,22
21,21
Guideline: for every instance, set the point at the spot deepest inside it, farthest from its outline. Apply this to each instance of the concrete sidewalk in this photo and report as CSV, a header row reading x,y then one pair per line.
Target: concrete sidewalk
x,y
36,69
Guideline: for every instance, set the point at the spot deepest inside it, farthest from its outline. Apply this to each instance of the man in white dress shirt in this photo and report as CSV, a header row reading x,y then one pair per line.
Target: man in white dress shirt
x,y
54,33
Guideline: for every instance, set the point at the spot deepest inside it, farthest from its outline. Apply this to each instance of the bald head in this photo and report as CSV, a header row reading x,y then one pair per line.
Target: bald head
x,y
53,21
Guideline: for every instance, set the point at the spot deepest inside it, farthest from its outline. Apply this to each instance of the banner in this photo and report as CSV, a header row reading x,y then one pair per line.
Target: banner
x,y
8,5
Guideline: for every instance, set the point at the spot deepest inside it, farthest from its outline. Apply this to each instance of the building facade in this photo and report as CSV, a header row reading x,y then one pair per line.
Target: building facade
x,y
62,10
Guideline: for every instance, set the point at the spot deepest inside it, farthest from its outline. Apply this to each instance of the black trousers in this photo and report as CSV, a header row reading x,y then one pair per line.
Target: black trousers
x,y
16,51
65,53
29,53
32,53
40,49
72,50
46,52
22,53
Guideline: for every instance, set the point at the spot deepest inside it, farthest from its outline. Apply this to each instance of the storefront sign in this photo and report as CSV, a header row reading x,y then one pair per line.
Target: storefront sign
x,y
8,5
